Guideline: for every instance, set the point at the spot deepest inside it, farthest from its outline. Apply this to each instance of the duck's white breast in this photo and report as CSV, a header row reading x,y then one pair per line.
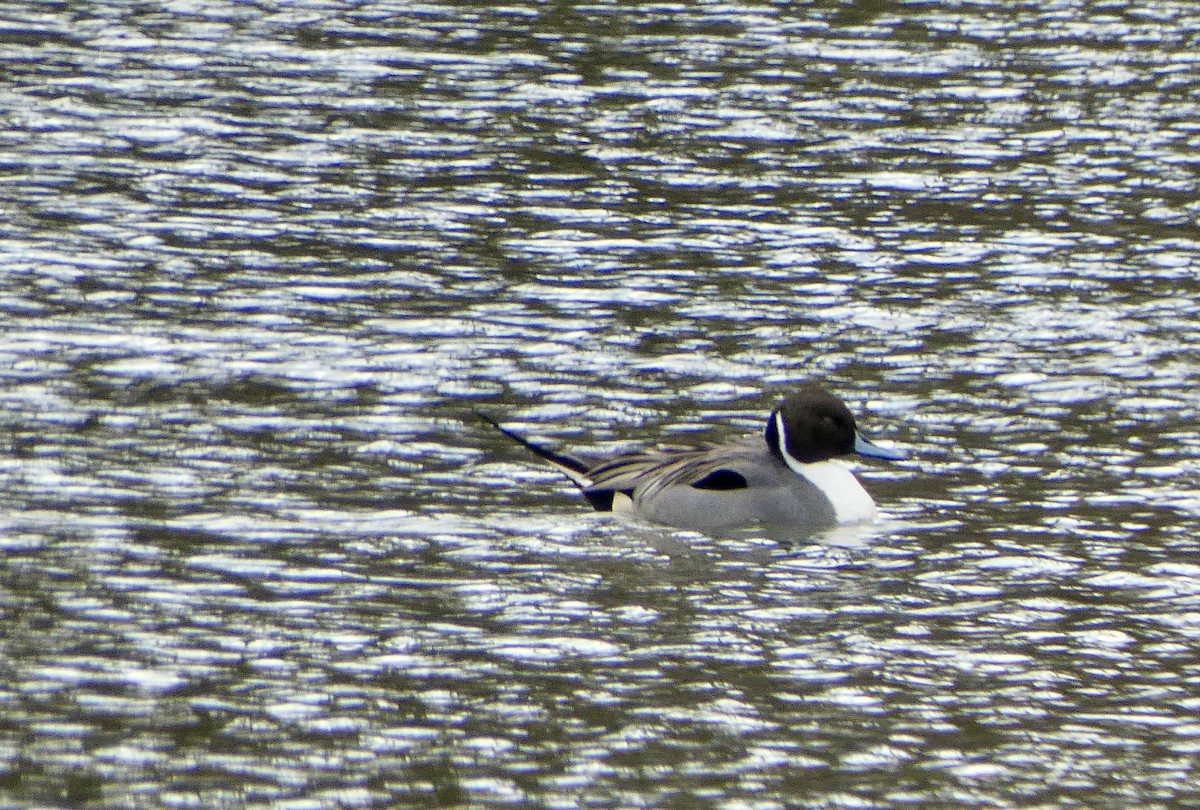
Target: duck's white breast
x,y
850,501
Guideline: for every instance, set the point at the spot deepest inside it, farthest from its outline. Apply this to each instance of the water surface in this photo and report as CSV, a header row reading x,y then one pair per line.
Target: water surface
x,y
261,261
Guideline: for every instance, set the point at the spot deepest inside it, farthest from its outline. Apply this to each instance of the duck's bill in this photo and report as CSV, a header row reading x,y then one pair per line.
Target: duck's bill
x,y
866,448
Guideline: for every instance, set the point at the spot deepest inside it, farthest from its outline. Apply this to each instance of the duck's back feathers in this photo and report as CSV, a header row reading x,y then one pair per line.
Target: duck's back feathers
x,y
714,468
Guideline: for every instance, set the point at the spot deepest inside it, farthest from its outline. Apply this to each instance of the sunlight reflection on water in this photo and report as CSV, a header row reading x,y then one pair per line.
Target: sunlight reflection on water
x,y
261,264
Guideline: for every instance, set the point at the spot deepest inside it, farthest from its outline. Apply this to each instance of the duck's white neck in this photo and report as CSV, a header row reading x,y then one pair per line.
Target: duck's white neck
x,y
851,503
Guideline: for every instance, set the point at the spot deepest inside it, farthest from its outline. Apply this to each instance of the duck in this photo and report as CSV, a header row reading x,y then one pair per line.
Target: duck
x,y
789,478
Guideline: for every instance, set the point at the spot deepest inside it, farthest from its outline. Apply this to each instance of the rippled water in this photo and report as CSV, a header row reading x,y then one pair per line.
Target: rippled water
x,y
259,261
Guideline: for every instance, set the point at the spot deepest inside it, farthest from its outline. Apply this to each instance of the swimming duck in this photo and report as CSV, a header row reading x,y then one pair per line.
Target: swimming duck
x,y
789,478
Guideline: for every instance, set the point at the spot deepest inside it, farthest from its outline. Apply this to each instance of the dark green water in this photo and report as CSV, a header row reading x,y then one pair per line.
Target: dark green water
x,y
259,261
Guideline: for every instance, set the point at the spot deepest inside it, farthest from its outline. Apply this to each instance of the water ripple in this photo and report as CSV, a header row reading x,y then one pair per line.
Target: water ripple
x,y
261,264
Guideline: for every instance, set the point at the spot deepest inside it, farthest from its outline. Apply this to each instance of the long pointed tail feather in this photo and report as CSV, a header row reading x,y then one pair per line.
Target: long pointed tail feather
x,y
569,466
601,499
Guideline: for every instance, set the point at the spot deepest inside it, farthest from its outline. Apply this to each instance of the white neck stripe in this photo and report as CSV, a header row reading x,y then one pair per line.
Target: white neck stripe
x,y
781,431
850,502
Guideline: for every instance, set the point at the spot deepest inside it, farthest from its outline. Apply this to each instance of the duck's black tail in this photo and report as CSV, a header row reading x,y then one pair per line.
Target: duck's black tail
x,y
569,466
573,468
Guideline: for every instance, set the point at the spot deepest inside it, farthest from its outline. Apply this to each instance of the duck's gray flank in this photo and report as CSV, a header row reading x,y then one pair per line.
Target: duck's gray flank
x,y
786,478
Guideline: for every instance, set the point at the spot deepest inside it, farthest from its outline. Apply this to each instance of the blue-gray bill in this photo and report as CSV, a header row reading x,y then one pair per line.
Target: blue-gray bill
x,y
866,448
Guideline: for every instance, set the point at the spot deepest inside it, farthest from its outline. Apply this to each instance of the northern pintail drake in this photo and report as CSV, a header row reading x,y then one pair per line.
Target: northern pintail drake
x,y
789,479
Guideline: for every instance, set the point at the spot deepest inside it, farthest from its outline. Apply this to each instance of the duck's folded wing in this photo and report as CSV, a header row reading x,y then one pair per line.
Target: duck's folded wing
x,y
715,468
